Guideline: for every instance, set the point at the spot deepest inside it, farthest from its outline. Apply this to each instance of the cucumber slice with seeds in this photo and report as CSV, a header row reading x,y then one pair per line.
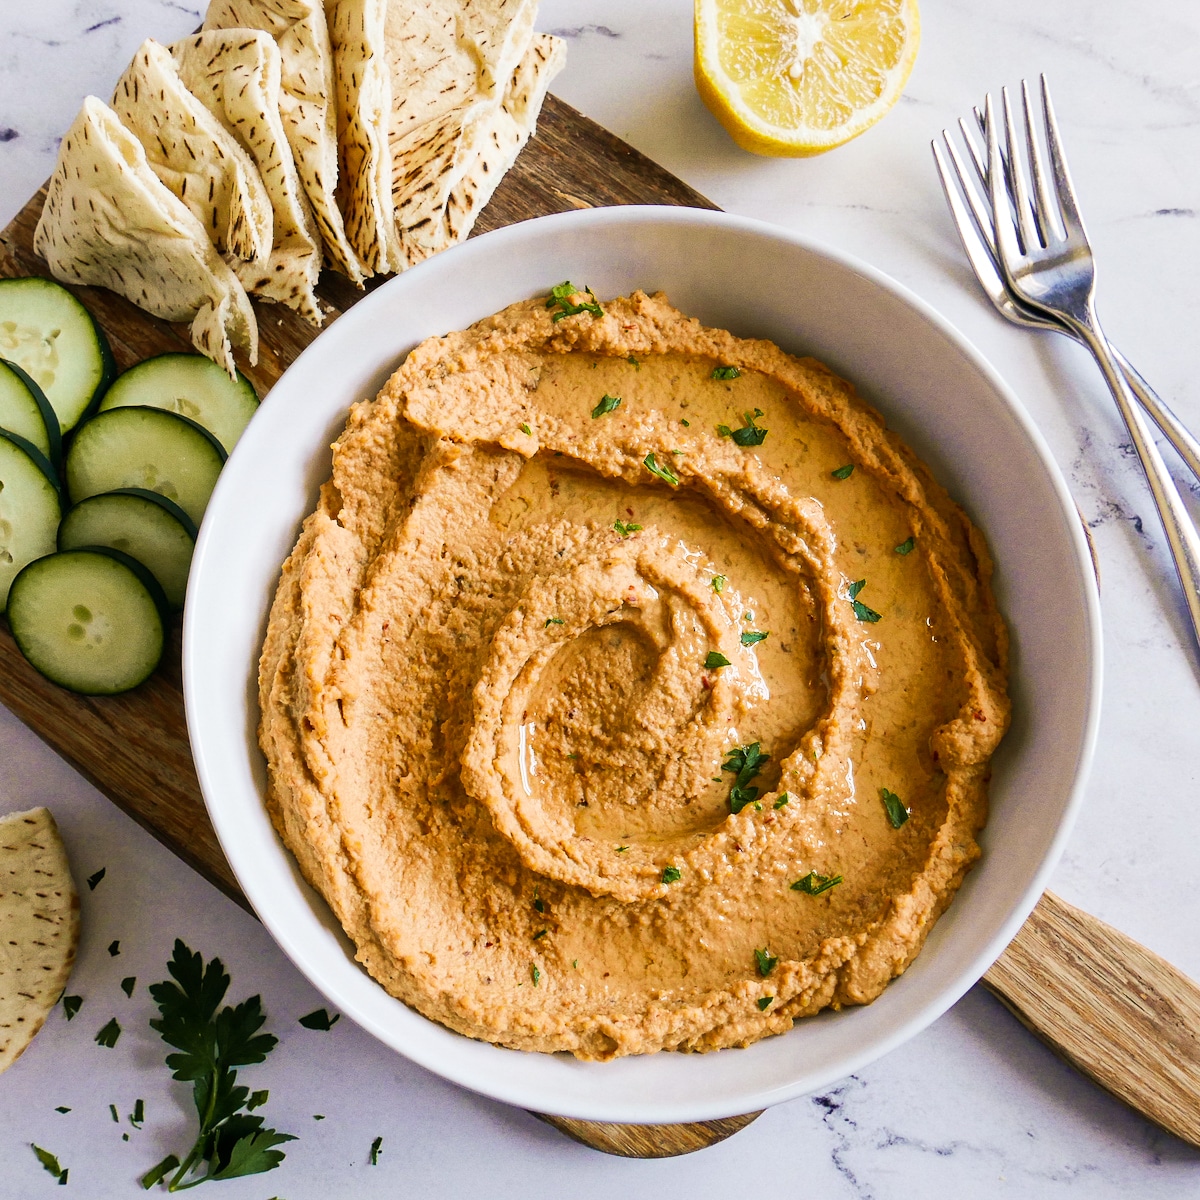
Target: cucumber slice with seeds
x,y
144,525
90,620
24,410
30,508
145,448
54,339
192,386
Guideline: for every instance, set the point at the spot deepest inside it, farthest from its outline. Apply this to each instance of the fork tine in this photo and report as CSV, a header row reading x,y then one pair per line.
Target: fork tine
x,y
975,238
1046,205
1068,207
1016,180
978,205
1007,249
972,148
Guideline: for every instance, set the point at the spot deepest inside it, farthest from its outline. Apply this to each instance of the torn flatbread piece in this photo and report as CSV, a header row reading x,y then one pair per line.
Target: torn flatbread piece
x,y
492,147
307,105
39,926
364,189
194,155
451,63
235,74
110,222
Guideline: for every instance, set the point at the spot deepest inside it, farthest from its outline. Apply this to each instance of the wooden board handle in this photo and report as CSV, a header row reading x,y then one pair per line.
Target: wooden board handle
x,y
1110,1007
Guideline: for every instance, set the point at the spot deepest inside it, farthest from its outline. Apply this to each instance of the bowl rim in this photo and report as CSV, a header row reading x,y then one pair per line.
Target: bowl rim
x,y
690,1107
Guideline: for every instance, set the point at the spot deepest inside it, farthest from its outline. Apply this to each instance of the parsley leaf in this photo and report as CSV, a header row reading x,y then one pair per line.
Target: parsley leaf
x,y
50,1163
813,884
257,1099
114,948
715,660
139,1113
553,621
718,583
665,473
107,1037
62,1108
744,762
561,294
607,404
625,529
210,1045
767,962
749,637
782,800
907,545
128,984
671,875
634,362
897,813
725,373
764,1003
116,1116
524,428
319,1019
92,880
843,472
861,611
534,974
749,434
541,933
376,1146
539,904
71,1005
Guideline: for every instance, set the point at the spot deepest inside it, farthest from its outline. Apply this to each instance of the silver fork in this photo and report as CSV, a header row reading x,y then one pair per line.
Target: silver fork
x,y
974,224
1050,269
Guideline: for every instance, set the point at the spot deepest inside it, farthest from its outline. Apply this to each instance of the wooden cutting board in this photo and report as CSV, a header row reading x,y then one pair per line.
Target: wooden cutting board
x,y
1109,1006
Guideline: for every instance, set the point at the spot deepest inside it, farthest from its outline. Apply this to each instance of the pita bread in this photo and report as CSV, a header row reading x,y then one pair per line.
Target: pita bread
x,y
39,926
451,63
109,221
492,147
364,189
307,105
235,74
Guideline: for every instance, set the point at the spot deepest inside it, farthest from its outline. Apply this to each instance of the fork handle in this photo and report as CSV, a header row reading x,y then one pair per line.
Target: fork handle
x,y
1177,523
1173,429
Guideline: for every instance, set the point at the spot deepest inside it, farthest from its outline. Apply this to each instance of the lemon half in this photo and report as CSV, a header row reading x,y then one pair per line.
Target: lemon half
x,y
799,77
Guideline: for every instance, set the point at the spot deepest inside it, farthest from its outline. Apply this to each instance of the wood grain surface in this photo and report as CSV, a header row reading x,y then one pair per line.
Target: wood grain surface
x,y
1118,1012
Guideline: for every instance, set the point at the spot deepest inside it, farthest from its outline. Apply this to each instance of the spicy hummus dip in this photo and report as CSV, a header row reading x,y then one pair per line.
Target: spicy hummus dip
x,y
632,687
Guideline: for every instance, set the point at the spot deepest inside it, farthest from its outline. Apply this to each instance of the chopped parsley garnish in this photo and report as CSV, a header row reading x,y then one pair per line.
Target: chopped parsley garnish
x,y
318,1116
107,1037
716,660
781,801
114,948
634,362
626,528
749,434
62,1108
665,473
534,974
539,905
907,545
112,1108
376,1147
553,621
561,296
50,1163
861,611
319,1019
718,583
607,404
750,638
210,1044
671,875
843,472
764,1003
685,422
541,933
896,811
524,428
725,372
139,1113
128,984
767,962
744,762
622,849
257,1099
71,1005
92,880
813,884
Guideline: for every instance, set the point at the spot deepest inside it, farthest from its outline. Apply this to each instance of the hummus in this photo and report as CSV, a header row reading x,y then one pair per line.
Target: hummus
x,y
632,686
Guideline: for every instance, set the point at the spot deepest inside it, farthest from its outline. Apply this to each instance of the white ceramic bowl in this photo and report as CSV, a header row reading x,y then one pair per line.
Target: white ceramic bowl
x,y
757,281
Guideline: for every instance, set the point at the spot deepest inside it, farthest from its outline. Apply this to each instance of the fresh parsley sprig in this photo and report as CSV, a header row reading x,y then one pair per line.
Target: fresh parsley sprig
x,y
663,471
861,611
607,404
813,884
561,295
750,434
211,1044
744,762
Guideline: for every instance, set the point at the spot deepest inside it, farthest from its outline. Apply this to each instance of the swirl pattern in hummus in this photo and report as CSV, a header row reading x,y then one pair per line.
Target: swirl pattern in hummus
x,y
496,716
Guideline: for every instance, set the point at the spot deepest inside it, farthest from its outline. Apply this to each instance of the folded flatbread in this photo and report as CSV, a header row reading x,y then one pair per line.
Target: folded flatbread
x,y
307,105
235,74
490,149
109,221
193,154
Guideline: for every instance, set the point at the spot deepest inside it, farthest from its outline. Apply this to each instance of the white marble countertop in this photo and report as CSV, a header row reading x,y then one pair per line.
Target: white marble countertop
x,y
974,1106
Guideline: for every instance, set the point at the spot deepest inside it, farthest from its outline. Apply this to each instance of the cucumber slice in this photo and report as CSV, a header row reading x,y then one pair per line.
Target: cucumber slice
x,y
24,410
90,620
144,525
145,448
30,508
53,338
192,386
